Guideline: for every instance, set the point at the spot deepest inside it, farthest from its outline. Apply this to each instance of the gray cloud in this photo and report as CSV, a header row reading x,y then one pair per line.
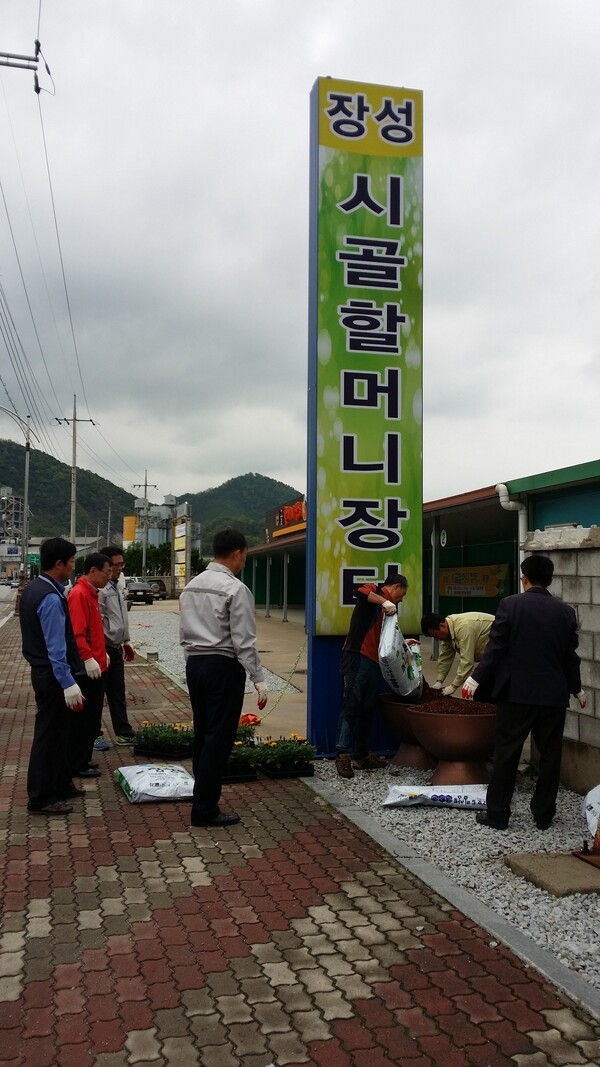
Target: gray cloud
x,y
178,144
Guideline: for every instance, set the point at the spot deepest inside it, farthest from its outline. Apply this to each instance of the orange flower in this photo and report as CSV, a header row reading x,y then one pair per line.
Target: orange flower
x,y
249,720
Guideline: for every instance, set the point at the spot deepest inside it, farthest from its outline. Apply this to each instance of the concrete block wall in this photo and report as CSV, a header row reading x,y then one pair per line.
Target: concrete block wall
x,y
575,552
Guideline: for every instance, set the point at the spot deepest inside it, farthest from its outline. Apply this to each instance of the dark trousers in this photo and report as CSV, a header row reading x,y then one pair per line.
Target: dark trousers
x,y
85,725
513,724
48,777
115,693
362,678
216,686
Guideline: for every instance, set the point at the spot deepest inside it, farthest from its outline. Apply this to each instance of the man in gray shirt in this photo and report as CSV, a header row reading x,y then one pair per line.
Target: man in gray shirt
x,y
218,635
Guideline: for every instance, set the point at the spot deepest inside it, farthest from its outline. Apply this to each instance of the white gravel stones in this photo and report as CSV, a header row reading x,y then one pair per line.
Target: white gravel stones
x,y
472,856
159,632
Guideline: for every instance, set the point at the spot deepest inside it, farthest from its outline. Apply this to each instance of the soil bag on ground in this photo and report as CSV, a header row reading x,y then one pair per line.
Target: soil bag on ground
x,y
155,781
447,796
590,808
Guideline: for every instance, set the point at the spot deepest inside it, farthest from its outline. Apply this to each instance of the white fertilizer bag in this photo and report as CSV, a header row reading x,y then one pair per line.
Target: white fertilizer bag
x,y
400,660
445,796
155,781
590,808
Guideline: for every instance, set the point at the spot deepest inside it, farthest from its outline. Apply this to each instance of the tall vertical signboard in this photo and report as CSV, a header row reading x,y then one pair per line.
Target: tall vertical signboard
x,y
365,366
182,550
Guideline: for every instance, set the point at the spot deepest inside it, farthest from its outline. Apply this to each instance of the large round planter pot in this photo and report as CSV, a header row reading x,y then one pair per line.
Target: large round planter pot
x,y
395,714
462,740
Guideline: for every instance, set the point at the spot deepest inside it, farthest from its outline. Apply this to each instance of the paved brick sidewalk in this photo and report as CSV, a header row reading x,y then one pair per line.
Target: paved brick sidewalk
x,y
129,938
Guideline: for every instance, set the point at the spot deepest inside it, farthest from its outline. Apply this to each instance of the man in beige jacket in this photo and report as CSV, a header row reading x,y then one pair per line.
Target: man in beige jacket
x,y
466,633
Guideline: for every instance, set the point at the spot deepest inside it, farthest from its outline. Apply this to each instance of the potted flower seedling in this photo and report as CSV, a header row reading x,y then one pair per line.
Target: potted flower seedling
x,y
286,757
162,740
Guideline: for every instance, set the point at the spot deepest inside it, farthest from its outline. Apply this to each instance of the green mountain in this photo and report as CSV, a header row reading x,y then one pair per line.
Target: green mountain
x,y
50,494
241,502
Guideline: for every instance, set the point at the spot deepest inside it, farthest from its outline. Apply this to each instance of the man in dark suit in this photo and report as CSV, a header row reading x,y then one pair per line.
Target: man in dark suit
x,y
532,667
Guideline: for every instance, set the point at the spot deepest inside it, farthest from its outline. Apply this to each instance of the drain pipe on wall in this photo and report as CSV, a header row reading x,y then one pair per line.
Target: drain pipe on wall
x,y
515,505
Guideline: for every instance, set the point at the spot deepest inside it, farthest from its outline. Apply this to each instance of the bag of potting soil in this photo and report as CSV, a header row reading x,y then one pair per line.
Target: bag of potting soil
x,y
590,808
399,659
440,796
155,781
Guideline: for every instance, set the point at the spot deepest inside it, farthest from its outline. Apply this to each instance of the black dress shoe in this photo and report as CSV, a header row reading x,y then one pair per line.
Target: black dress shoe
x,y
58,808
484,819
543,824
89,772
72,793
219,820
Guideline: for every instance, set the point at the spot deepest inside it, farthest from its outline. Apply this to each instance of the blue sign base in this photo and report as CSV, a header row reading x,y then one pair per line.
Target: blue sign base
x,y
324,699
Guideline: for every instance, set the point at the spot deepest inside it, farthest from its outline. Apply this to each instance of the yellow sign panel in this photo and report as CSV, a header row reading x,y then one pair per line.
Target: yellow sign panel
x,y
489,581
375,120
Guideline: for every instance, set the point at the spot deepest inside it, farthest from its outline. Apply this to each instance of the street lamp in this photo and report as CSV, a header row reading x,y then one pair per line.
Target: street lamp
x,y
25,425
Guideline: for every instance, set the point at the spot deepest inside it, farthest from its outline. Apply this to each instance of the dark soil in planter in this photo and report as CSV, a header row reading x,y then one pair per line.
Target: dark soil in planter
x,y
433,700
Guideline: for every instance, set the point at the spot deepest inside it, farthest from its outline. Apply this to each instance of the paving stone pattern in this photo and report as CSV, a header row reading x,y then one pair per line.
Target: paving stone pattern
x,y
292,938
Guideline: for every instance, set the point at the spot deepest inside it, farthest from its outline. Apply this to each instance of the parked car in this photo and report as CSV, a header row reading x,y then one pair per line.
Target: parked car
x,y
138,592
158,587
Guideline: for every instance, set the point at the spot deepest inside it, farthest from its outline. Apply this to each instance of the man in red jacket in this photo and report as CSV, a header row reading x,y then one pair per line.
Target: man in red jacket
x,y
86,620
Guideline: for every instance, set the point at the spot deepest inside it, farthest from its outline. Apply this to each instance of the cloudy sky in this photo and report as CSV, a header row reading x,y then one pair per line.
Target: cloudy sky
x,y
177,143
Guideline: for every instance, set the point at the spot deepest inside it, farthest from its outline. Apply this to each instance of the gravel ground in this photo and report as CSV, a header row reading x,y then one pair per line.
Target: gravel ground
x,y
472,855
159,632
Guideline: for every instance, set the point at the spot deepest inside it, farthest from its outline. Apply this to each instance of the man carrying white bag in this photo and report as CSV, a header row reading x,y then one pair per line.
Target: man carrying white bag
x,y
362,677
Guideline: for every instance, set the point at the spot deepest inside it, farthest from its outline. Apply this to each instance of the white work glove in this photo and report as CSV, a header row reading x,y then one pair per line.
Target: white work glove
x,y
92,669
469,688
581,697
389,608
74,698
437,685
263,694
128,651
448,690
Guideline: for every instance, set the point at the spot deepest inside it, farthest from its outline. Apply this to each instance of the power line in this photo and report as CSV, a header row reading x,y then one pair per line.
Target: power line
x,y
14,347
35,240
38,52
22,276
60,256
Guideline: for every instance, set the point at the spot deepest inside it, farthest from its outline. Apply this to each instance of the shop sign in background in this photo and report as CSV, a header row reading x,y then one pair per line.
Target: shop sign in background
x,y
365,375
489,581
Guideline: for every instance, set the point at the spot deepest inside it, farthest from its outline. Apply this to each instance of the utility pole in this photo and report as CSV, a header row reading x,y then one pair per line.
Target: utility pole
x,y
74,421
145,487
25,425
13,59
108,523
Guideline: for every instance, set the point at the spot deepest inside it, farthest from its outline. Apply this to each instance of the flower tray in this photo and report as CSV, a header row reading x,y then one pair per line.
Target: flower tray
x,y
183,752
294,772
232,779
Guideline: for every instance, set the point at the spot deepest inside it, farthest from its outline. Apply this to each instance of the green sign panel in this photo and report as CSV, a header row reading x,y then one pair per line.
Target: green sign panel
x,y
33,557
365,414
